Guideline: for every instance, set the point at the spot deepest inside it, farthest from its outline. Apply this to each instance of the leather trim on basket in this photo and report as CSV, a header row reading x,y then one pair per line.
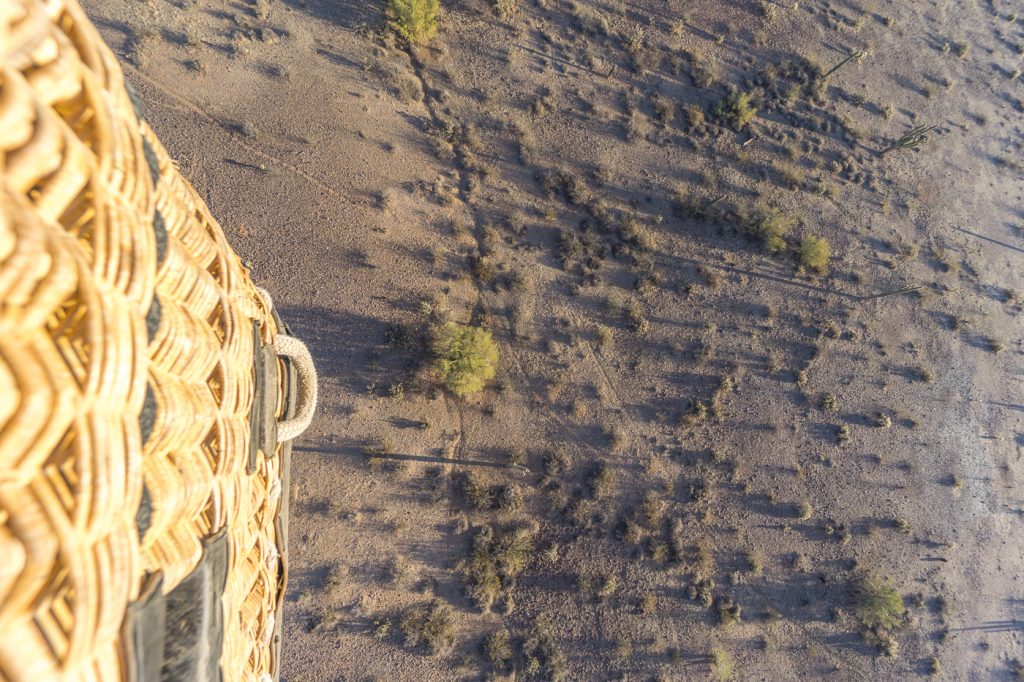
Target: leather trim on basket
x,y
263,417
284,510
137,105
153,316
151,161
147,417
144,515
160,230
195,618
143,632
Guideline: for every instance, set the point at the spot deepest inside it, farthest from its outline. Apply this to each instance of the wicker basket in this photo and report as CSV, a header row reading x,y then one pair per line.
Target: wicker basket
x,y
137,382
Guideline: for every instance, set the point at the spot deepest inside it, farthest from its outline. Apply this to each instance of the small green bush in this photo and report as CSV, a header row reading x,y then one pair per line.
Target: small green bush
x,y
736,110
771,227
466,357
415,20
814,253
879,604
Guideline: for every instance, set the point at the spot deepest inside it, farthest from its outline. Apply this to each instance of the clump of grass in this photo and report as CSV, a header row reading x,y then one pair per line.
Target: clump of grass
x,y
637,234
415,20
479,494
429,626
696,414
466,358
814,253
722,664
506,9
544,659
878,603
496,558
609,585
792,175
924,373
771,227
735,110
498,649
729,612
600,481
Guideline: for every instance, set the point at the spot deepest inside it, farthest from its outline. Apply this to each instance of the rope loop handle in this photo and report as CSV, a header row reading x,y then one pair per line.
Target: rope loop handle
x,y
292,348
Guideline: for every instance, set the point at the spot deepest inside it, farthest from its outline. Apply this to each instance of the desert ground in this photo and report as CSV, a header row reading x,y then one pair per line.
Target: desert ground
x,y
716,446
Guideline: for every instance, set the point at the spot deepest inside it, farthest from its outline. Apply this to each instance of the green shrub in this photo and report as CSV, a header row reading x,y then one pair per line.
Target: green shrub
x,y
466,357
771,227
879,604
415,20
735,109
814,253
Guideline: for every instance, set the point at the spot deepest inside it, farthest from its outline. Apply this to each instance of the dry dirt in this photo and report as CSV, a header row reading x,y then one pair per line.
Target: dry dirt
x,y
540,173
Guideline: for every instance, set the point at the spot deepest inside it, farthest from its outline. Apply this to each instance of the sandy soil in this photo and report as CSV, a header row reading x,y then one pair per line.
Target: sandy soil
x,y
541,174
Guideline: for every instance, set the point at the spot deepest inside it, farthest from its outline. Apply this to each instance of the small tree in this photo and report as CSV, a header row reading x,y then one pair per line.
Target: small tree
x,y
814,253
466,358
415,20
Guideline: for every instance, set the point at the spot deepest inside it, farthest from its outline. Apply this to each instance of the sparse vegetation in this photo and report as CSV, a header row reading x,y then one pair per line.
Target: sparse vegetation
x,y
638,303
496,558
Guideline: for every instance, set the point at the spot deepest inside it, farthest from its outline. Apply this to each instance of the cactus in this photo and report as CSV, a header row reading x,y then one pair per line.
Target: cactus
x,y
912,138
853,55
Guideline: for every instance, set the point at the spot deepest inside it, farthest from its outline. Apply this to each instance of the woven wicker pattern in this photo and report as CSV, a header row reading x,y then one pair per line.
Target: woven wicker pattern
x,y
126,369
